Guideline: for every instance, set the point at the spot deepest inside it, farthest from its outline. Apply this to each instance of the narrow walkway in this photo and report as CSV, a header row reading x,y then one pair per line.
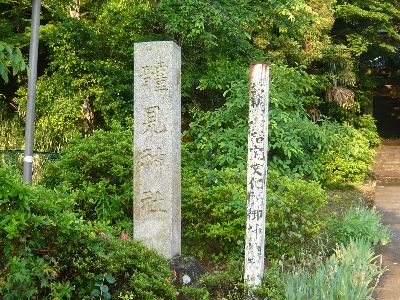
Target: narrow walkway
x,y
387,199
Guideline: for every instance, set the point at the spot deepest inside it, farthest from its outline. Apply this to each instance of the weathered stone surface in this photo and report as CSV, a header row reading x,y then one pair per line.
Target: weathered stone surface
x,y
387,200
187,271
256,174
157,146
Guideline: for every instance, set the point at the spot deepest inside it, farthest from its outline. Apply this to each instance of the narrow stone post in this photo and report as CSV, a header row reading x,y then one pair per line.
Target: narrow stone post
x,y
157,146
256,174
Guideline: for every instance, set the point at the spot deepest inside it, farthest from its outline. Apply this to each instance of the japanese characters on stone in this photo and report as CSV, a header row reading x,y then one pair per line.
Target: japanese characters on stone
x,y
256,174
157,129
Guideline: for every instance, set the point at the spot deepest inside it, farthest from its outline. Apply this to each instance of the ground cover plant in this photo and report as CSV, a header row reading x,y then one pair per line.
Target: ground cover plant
x,y
50,252
353,270
350,273
342,265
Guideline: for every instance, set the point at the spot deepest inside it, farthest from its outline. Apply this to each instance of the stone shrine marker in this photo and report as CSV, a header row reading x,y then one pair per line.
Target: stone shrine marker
x,y
157,146
256,174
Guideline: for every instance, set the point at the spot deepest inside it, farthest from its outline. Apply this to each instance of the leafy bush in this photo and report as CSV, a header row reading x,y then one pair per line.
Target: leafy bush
x,y
229,284
366,124
218,139
49,252
98,170
10,56
137,273
294,215
327,151
357,223
348,274
345,158
214,212
39,234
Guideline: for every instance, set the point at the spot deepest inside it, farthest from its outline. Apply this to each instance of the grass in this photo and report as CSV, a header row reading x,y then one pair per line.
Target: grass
x,y
351,273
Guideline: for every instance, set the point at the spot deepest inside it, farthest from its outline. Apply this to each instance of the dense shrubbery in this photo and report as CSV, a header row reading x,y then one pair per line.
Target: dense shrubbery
x,y
346,157
294,217
326,151
98,170
85,63
366,125
214,212
49,252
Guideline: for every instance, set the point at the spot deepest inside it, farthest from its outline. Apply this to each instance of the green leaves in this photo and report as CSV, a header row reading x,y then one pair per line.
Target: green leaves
x,y
214,210
98,170
10,57
102,289
359,223
47,250
350,273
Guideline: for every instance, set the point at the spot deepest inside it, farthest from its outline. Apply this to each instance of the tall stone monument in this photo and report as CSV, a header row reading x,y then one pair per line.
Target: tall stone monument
x,y
256,174
157,146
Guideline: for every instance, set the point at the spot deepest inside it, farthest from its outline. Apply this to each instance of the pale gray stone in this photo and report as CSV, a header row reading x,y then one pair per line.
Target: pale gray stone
x,y
157,146
256,174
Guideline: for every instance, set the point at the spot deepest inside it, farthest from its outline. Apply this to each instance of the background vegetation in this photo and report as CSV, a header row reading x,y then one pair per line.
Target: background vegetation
x,y
327,59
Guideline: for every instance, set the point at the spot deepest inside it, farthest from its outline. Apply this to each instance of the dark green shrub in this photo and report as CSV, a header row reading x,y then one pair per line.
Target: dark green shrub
x,y
294,214
229,284
39,234
49,252
98,170
214,212
137,273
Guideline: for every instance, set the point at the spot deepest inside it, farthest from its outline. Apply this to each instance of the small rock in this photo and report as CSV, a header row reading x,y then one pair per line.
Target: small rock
x,y
186,279
187,271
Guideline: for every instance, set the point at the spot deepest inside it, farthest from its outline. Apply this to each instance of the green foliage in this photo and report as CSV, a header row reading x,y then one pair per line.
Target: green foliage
x,y
358,223
124,268
79,74
214,212
39,235
366,125
218,138
102,290
369,31
10,57
229,284
121,23
348,274
10,135
48,251
368,17
346,157
293,216
326,151
98,170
